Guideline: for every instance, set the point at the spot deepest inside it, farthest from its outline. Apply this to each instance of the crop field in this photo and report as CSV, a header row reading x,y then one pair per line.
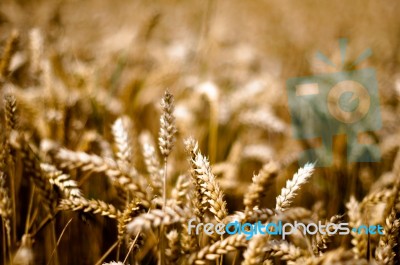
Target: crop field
x,y
137,132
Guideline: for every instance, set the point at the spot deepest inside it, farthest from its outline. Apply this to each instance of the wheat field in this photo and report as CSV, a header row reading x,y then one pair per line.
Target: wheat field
x,y
122,121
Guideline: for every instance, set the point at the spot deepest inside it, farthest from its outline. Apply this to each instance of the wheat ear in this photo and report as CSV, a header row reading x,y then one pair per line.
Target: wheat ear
x,y
152,163
121,131
92,206
212,195
259,185
384,253
156,218
133,209
63,181
166,138
285,250
359,241
35,50
33,169
322,240
213,251
93,163
172,250
256,251
191,147
9,50
180,192
288,193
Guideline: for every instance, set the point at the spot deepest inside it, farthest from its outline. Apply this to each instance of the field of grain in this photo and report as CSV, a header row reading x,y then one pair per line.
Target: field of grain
x,y
122,120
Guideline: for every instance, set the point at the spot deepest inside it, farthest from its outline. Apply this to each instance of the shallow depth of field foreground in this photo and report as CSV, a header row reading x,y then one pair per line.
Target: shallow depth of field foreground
x,y
120,121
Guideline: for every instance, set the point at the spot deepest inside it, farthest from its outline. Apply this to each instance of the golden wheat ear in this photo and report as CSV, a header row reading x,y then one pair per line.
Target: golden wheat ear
x,y
359,241
166,138
172,251
8,52
260,184
214,251
168,129
121,130
384,253
288,193
152,163
89,206
257,250
132,210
